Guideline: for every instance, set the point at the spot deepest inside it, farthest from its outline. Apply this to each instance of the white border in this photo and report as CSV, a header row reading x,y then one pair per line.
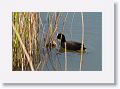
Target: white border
x,y
104,76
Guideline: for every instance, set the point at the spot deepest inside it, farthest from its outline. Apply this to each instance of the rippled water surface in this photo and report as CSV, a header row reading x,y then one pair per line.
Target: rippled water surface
x,y
92,58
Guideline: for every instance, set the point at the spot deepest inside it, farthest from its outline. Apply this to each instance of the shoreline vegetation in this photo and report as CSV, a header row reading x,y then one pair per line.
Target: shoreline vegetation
x,y
30,48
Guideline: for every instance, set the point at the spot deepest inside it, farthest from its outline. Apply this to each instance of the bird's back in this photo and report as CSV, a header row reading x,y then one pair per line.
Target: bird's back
x,y
71,45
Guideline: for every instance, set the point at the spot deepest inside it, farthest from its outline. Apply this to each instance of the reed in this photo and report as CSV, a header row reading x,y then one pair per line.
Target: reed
x,y
43,39
29,47
24,49
81,53
55,26
25,33
64,21
52,31
65,57
71,25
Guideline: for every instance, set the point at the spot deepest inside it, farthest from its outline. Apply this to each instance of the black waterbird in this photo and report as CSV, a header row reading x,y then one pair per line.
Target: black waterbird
x,y
70,45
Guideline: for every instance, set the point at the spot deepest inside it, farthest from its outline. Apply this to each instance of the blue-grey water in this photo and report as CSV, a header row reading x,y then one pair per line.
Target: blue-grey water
x,y
92,58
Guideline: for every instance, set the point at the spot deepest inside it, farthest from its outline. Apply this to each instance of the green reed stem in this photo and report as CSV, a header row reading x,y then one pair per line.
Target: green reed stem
x,y
23,46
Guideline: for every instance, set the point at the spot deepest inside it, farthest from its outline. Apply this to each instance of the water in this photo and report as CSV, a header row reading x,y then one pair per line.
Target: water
x,y
92,58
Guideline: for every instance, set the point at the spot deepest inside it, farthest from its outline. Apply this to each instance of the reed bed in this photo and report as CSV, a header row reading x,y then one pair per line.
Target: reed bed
x,y
25,40
31,51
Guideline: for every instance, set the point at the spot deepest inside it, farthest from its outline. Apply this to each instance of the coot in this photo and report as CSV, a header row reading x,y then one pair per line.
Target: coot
x,y
70,45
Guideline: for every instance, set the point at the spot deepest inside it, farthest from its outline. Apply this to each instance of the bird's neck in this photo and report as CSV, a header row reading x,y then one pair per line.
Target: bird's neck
x,y
63,42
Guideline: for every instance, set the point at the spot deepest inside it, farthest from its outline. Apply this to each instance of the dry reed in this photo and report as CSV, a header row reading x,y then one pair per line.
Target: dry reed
x,y
65,57
64,21
71,25
25,34
29,47
24,49
82,43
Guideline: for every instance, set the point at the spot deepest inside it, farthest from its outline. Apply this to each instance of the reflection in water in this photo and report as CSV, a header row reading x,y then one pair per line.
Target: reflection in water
x,y
92,40
34,44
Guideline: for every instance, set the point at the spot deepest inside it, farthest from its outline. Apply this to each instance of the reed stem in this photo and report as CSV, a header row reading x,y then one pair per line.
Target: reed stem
x,y
81,55
71,25
23,47
65,57
64,23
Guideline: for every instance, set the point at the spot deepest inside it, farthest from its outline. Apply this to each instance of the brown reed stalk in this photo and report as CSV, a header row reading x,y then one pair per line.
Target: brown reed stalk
x,y
44,37
17,51
65,57
34,40
26,25
57,17
42,31
71,25
50,59
50,27
50,30
57,60
30,36
65,42
56,23
23,47
39,65
22,37
38,41
81,54
64,23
